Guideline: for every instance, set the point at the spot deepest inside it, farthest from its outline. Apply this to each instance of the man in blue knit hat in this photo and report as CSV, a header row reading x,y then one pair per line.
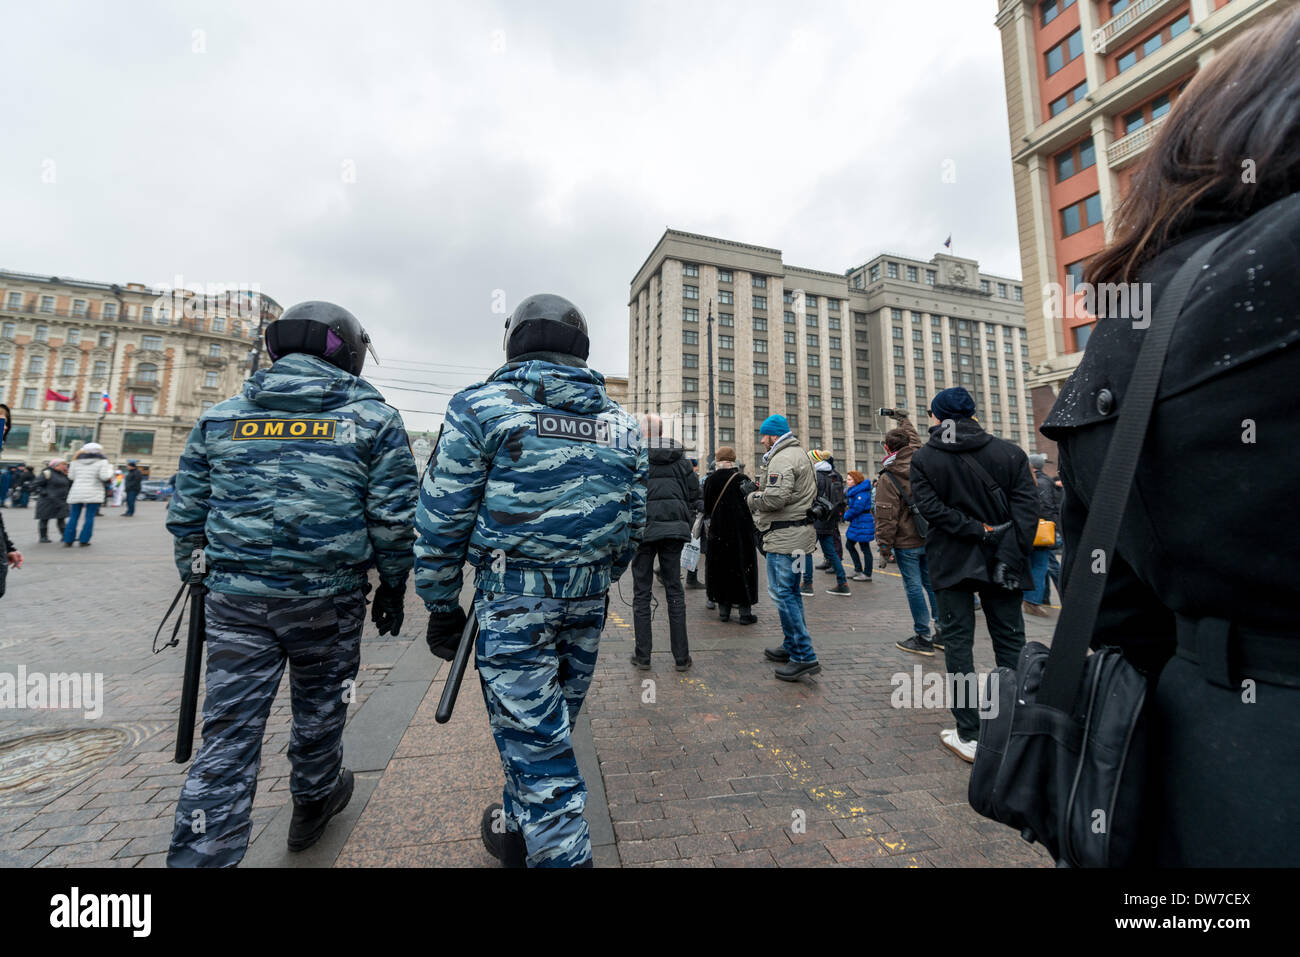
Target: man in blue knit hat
x,y
787,488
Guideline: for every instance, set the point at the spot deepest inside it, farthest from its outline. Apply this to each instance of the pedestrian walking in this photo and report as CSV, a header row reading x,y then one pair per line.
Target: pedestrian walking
x,y
88,472
780,509
294,489
52,487
672,492
899,538
859,498
732,573
1042,554
977,495
538,479
131,483
1200,593
830,486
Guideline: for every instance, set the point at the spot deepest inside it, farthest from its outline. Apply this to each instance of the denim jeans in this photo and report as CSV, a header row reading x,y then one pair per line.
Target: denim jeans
x,y
916,582
130,502
74,513
807,569
1053,577
828,551
1038,567
783,588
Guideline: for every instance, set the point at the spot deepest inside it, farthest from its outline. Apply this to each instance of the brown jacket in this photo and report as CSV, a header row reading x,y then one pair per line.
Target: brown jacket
x,y
894,525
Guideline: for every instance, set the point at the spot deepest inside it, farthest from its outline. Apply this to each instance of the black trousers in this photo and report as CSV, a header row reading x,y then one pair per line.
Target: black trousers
x,y
669,553
1006,624
44,525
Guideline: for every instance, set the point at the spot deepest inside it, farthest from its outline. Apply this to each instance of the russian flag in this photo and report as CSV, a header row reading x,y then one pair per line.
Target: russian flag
x,y
948,242
108,403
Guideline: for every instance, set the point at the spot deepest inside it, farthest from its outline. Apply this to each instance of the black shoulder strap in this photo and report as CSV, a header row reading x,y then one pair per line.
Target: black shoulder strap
x,y
994,488
898,485
1096,552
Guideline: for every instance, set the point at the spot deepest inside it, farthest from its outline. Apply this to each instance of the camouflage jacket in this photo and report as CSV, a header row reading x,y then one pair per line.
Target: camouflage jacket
x,y
538,478
297,486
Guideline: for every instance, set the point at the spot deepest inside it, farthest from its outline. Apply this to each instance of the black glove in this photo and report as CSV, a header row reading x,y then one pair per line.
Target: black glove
x,y
993,535
445,629
388,608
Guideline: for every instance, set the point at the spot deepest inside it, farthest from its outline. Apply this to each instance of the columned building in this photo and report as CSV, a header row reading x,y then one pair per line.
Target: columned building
x,y
1088,84
162,357
826,349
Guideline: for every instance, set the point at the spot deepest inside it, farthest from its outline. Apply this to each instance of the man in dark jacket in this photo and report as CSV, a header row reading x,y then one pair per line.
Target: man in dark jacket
x,y
131,483
978,496
1040,562
52,487
671,493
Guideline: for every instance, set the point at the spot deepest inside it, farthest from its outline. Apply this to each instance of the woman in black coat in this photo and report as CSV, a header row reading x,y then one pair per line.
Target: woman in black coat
x,y
1201,593
731,573
52,486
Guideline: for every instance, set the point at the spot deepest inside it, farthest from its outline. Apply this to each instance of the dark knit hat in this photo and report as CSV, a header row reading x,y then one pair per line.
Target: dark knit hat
x,y
952,403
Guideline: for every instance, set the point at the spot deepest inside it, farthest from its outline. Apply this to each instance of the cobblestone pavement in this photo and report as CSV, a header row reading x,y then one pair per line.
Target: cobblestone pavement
x,y
720,766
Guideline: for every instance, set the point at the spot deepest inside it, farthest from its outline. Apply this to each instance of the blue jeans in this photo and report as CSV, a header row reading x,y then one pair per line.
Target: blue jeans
x,y
74,513
916,582
130,502
828,550
807,569
783,588
1053,577
1038,566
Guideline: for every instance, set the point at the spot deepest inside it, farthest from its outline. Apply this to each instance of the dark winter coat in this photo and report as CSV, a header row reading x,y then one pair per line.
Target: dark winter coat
x,y
52,486
1048,508
731,573
958,504
832,525
862,523
132,481
895,527
671,493
1224,775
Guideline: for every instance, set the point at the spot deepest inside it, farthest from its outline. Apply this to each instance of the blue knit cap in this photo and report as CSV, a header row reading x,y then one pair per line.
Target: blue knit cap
x,y
774,425
952,404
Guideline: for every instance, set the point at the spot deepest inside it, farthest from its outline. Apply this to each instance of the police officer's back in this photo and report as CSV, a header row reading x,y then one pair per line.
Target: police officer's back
x,y
295,489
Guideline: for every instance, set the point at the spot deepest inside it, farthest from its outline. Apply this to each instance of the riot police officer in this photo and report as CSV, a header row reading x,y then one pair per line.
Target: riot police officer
x,y
295,489
538,479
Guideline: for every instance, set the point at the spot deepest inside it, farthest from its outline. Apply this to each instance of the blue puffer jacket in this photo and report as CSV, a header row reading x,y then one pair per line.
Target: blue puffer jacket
x,y
862,523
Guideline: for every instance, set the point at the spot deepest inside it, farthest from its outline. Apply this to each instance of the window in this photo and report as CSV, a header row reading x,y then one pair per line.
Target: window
x,y
690,269
911,274
690,360
137,443
760,282
964,360
936,338
144,405
896,315
810,321
874,272
100,369
74,337
29,399
68,367
791,359
8,330
726,297
837,362
917,335
891,270
726,435
688,384
146,314
790,338
15,301
1081,334
726,342
147,372
5,360
724,275
1064,52
760,345
1002,290
47,303
109,310
937,356
1160,106
726,319
788,297
151,343
760,390
726,365
690,337
36,365
1051,9
930,277
898,352
78,307
836,383
726,410
834,341
760,302
789,317
760,368
42,333
984,285
690,292
690,315
105,340
898,332
814,361
760,324
1075,270
810,303
963,342
814,380
918,355
812,340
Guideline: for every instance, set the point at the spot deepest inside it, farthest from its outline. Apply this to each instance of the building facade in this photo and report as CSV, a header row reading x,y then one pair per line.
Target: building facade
x,y
825,349
1088,83
161,356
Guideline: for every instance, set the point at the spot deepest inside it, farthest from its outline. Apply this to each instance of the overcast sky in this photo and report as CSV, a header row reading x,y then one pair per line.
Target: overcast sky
x,y
407,160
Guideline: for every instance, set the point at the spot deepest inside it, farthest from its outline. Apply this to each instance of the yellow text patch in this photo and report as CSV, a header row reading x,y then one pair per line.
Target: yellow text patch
x,y
283,429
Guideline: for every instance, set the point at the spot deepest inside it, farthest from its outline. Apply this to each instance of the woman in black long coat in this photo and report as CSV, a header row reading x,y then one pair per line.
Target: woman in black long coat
x,y
1200,596
52,486
731,573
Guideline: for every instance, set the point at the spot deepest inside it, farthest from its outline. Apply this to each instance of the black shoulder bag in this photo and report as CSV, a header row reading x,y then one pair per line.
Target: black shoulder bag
x,y
1062,749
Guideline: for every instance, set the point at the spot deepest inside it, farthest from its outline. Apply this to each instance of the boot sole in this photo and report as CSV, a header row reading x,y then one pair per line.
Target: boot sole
x,y
958,753
302,843
914,651
814,670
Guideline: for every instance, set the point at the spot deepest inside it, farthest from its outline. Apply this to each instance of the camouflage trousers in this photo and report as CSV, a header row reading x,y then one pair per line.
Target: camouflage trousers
x,y
249,640
535,661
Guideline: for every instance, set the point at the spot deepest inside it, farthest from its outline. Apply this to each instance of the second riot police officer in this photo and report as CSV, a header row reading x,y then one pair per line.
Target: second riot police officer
x,y
295,489
538,479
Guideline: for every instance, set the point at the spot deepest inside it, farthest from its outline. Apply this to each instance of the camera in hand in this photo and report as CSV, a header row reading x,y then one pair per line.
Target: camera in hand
x,y
887,413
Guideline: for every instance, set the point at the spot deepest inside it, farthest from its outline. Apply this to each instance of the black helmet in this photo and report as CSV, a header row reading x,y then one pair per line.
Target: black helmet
x,y
320,329
546,323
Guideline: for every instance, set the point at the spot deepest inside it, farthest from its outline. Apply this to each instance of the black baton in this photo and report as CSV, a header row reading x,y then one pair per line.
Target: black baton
x,y
193,658
458,664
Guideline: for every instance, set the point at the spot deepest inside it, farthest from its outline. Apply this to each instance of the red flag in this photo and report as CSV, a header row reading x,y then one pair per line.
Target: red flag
x,y
52,396
132,398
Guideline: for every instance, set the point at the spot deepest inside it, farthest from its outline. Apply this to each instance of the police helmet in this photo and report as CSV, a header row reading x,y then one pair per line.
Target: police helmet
x,y
546,323
320,329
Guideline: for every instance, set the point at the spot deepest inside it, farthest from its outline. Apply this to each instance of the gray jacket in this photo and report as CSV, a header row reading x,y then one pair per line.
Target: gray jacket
x,y
788,487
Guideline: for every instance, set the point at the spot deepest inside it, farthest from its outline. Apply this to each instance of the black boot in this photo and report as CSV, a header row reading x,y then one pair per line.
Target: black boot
x,y
310,817
506,846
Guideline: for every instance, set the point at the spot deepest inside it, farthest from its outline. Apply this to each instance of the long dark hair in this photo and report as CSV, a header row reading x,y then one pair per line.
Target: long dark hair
x,y
1230,147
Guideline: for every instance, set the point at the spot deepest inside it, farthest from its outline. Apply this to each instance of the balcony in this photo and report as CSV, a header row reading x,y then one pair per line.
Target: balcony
x,y
211,361
1123,24
143,385
1127,148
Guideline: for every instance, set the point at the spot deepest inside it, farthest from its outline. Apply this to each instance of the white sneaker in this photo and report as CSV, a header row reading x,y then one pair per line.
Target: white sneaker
x,y
953,742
